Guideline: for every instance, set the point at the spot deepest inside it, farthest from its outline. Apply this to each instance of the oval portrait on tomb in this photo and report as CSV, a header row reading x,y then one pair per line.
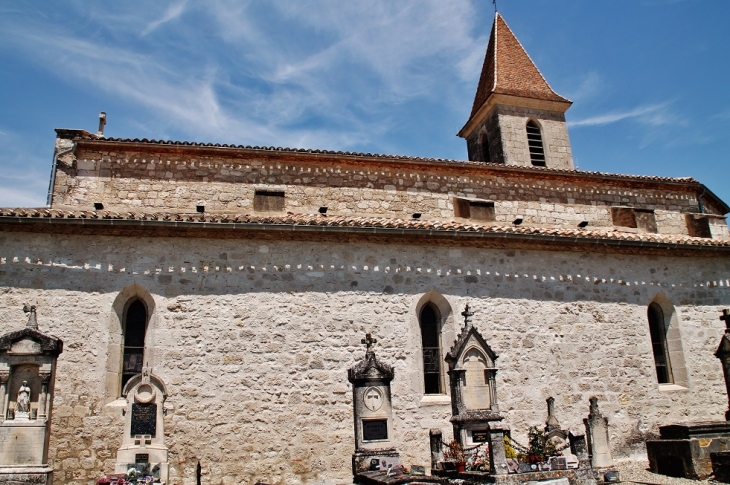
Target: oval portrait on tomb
x,y
372,398
145,394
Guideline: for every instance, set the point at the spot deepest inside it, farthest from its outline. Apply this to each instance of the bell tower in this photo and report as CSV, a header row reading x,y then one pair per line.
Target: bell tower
x,y
517,118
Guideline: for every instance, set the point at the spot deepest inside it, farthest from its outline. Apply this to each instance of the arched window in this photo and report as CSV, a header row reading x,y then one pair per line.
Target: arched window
x,y
486,154
534,141
658,331
135,326
431,341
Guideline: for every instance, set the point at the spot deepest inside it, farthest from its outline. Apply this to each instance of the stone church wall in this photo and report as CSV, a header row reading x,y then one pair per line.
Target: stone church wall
x,y
253,340
137,181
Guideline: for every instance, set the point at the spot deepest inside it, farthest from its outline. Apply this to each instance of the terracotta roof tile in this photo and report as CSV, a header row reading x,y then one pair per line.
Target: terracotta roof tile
x,y
508,69
292,219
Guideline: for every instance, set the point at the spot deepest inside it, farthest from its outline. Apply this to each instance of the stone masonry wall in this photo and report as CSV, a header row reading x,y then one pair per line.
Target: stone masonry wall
x,y
554,131
253,340
159,181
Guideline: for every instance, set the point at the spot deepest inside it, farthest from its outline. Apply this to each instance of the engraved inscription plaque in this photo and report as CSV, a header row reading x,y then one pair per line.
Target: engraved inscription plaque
x,y
144,419
479,436
375,430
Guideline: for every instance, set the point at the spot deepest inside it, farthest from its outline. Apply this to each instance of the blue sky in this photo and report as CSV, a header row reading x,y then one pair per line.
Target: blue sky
x,y
649,78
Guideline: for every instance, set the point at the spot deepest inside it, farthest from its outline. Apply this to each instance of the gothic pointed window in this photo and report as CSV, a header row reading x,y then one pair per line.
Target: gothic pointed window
x,y
431,342
486,154
135,326
534,142
658,331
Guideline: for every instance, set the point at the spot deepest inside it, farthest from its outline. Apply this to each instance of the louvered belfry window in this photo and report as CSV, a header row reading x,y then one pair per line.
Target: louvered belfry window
x,y
431,341
534,141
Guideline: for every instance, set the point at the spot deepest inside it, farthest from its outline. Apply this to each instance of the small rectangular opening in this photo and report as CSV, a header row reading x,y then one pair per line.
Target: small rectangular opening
x,y
200,208
478,210
268,201
623,216
645,220
698,226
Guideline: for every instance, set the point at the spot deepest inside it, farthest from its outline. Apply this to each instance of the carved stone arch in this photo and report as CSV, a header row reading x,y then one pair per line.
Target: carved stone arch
x,y
157,381
474,349
115,345
446,335
485,148
673,338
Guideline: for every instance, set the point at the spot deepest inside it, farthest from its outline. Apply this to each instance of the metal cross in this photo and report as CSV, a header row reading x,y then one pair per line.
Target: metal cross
x,y
726,318
369,341
467,315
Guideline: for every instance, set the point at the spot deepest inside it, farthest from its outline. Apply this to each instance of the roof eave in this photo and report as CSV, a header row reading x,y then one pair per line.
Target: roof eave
x,y
496,99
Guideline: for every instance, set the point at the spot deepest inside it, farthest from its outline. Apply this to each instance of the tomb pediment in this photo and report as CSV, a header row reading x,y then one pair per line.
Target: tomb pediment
x,y
469,339
27,339
370,368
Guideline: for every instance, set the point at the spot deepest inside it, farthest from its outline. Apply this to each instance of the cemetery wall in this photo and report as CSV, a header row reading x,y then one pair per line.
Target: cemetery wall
x,y
225,182
253,340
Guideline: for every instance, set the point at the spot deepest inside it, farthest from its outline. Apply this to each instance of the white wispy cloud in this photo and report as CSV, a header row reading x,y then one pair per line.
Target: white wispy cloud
x,y
654,115
360,62
174,10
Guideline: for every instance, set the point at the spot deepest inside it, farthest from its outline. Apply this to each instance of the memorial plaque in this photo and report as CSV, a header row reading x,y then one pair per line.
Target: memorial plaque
x,y
480,436
142,458
144,419
375,430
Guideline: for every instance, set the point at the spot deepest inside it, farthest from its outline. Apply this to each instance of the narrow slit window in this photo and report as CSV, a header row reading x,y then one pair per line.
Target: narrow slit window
x,y
134,334
658,331
431,342
534,141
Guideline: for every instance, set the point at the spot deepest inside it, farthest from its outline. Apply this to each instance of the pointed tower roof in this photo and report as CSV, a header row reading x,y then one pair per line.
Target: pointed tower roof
x,y
509,70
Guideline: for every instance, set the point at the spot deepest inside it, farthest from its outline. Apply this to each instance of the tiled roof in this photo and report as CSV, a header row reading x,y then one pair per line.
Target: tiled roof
x,y
401,225
406,158
508,69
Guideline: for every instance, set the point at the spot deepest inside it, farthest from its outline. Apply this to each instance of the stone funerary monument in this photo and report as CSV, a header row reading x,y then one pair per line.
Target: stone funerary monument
x,y
211,298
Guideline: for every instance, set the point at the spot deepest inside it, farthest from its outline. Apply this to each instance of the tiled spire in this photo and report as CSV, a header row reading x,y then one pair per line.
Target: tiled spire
x,y
509,70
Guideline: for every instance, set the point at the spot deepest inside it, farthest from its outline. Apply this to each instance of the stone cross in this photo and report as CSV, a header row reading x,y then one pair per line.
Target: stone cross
x,y
726,318
32,320
467,315
369,341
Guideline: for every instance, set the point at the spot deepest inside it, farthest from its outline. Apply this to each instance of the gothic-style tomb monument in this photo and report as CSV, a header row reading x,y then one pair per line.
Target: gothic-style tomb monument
x,y
212,301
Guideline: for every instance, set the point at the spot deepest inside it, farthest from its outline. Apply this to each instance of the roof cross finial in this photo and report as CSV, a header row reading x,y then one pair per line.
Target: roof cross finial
x,y
369,341
32,320
495,5
467,315
726,318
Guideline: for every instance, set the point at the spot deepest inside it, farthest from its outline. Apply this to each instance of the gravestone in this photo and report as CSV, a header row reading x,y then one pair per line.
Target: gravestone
x,y
373,412
474,409
143,444
599,446
27,378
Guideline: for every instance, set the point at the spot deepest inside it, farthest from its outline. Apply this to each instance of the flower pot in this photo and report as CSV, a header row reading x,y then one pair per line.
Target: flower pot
x,y
460,466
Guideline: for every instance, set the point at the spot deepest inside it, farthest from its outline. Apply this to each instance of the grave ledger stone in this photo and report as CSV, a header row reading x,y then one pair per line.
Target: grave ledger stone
x,y
373,412
27,376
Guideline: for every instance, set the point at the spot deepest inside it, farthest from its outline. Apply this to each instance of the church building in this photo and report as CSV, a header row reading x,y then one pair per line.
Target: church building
x,y
211,298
